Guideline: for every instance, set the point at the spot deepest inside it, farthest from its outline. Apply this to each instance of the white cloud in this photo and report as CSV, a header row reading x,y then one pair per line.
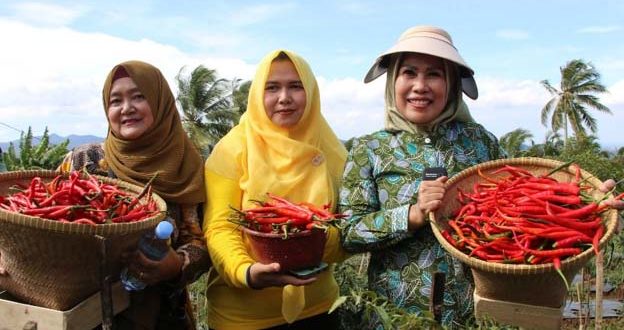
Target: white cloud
x,y
47,14
498,92
53,76
600,29
615,97
512,34
505,105
351,107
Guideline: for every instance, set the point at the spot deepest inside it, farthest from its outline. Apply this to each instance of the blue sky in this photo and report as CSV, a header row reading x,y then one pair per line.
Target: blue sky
x,y
56,54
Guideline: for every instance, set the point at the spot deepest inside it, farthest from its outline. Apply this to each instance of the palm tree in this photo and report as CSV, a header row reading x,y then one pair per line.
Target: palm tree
x,y
206,104
239,96
512,142
552,146
569,105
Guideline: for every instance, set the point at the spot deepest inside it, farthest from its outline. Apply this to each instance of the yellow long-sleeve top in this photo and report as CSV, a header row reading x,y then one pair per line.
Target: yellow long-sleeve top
x,y
231,303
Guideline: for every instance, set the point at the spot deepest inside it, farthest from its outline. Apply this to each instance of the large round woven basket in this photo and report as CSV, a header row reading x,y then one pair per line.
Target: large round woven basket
x,y
538,285
56,265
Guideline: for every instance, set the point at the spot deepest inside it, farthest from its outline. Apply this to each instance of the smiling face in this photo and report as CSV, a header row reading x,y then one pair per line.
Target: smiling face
x,y
284,95
129,113
420,88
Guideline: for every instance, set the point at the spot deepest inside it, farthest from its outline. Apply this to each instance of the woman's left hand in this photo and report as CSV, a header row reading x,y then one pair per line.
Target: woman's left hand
x,y
152,271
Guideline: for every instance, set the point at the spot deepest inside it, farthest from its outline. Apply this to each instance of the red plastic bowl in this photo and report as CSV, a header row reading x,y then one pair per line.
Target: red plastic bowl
x,y
298,251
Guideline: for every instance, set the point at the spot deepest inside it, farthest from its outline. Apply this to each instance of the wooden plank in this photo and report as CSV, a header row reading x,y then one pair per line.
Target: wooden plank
x,y
520,315
86,315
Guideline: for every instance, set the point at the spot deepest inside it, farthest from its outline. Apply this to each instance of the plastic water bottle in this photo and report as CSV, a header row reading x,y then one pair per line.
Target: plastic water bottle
x,y
154,245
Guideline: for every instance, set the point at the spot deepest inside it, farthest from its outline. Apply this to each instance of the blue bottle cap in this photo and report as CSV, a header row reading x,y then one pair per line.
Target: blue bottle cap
x,y
163,229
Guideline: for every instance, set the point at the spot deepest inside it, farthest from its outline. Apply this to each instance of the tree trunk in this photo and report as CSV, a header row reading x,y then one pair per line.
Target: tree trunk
x,y
565,131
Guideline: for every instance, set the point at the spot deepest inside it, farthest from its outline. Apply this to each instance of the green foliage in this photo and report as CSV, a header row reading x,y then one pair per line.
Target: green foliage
x,y
41,156
239,97
512,142
359,308
614,258
587,154
552,146
210,106
197,292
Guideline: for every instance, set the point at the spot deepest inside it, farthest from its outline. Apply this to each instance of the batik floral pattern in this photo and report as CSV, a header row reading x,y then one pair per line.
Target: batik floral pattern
x,y
381,180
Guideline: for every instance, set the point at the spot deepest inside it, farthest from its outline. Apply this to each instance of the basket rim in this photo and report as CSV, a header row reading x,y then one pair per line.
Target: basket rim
x,y
567,264
76,228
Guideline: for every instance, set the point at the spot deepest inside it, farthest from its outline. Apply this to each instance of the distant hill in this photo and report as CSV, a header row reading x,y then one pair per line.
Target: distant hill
x,y
74,140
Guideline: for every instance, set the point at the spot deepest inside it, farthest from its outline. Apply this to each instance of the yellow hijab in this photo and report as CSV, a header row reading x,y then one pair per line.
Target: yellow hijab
x,y
301,163
164,148
455,109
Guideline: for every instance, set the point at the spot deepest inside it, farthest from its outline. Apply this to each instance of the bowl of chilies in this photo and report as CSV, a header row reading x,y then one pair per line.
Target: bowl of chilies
x,y
53,229
291,234
525,226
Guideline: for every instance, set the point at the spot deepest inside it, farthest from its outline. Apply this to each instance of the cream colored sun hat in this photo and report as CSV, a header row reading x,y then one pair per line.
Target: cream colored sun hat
x,y
427,40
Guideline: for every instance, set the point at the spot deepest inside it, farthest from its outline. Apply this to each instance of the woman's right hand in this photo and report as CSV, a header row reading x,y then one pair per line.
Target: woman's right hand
x,y
430,194
266,275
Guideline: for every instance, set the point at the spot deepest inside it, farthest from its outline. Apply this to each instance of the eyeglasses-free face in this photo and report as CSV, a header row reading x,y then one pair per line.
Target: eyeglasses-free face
x,y
129,113
284,95
420,88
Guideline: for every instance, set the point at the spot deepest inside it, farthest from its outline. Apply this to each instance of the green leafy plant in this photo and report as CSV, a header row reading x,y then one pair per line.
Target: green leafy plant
x,y
40,156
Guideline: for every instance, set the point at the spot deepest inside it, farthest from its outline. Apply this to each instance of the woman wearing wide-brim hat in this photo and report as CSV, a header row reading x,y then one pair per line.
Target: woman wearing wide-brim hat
x,y
427,124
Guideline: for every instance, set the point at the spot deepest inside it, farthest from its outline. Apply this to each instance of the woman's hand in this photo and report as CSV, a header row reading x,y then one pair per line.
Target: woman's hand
x,y
152,272
606,187
430,194
612,202
266,275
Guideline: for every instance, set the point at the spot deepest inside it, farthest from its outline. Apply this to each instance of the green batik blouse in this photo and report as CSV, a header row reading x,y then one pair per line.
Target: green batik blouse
x,y
380,182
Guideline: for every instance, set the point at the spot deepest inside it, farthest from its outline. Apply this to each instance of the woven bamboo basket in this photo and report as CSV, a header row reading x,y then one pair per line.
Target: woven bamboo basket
x,y
57,265
538,285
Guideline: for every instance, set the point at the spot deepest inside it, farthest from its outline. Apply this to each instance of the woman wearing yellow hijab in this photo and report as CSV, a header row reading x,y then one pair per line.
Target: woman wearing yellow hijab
x,y
282,145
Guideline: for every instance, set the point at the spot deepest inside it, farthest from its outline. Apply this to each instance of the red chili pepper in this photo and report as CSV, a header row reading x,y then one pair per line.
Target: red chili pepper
x,y
572,241
487,178
130,217
43,210
555,253
515,171
580,212
449,238
596,239
85,221
50,200
270,220
567,188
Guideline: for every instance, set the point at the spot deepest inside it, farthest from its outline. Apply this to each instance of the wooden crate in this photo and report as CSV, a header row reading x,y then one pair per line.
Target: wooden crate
x,y
520,315
85,315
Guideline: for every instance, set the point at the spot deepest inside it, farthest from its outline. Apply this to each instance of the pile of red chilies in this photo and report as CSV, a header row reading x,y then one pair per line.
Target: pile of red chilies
x,y
526,219
279,215
76,199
